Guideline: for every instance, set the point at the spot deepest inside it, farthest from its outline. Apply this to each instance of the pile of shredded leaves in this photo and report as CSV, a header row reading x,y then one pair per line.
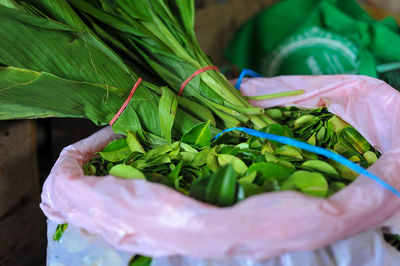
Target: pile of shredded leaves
x,y
233,167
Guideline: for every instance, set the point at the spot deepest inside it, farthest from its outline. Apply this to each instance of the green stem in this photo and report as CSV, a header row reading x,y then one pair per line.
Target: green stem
x,y
241,117
245,110
275,95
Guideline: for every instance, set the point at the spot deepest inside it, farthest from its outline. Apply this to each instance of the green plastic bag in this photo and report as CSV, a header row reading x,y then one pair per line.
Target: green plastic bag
x,y
314,37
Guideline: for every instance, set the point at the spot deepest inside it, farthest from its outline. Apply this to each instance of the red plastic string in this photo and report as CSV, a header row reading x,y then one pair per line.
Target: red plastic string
x,y
126,102
195,74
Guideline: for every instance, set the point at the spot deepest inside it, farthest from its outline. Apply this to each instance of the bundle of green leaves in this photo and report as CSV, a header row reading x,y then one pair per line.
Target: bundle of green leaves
x,y
159,35
53,65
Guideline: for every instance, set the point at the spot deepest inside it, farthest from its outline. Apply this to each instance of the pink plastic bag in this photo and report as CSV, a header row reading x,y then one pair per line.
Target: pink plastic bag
x,y
152,219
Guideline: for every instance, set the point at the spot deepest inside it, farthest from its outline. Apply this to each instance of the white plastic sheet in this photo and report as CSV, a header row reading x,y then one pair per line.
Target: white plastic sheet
x,y
80,248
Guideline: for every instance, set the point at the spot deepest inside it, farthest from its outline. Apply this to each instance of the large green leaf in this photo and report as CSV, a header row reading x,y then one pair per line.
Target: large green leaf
x,y
12,111
43,45
72,54
56,95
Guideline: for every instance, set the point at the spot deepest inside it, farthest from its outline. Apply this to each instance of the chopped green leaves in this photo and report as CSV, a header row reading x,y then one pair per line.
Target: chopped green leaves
x,y
236,167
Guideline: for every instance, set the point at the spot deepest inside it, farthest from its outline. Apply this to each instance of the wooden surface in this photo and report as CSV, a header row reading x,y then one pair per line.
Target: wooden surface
x,y
22,224
18,165
23,236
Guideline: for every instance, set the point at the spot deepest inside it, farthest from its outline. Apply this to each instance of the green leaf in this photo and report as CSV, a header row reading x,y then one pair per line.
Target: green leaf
x,y
127,172
58,10
167,110
178,187
162,159
267,148
280,130
200,111
186,8
201,158
312,140
339,148
370,157
344,171
271,171
286,163
139,260
199,188
89,169
353,156
212,161
238,165
156,152
174,174
305,119
116,151
274,113
338,123
352,139
221,190
321,166
156,178
290,151
248,190
187,156
187,147
59,231
313,184
321,134
40,44
199,135
248,179
270,158
134,143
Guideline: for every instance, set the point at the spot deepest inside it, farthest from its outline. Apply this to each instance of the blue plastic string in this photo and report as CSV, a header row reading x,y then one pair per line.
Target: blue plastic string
x,y
246,72
318,150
